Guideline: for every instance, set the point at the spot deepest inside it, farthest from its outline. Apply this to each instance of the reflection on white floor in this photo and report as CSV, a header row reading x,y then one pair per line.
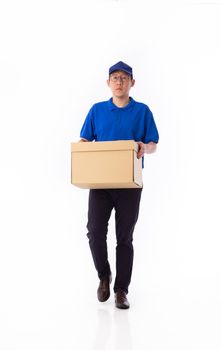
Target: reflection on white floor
x,y
112,329
159,319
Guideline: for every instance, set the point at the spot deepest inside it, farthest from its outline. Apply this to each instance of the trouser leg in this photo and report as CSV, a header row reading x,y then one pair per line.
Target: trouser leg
x,y
127,211
100,206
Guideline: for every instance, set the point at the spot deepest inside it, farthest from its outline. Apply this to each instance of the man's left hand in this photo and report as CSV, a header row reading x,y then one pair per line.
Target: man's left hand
x,y
149,147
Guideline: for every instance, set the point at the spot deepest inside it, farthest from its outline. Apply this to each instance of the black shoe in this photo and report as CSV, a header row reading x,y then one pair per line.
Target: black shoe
x,y
121,301
103,291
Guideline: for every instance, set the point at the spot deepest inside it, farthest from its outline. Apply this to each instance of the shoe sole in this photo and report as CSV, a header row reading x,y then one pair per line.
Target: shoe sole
x,y
103,300
122,307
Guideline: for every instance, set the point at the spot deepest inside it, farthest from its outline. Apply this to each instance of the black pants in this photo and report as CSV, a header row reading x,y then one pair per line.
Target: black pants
x,y
126,204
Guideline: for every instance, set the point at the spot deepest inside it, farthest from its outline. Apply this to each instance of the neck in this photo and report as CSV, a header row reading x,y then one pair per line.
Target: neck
x,y
120,102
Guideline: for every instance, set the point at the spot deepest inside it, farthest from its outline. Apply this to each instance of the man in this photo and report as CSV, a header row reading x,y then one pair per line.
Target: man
x,y
119,118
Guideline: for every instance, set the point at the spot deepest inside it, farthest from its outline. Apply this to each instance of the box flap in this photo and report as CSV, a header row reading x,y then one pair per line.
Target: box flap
x,y
104,146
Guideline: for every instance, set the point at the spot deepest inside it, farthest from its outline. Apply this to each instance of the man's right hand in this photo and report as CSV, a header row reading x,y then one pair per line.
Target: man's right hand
x,y
83,140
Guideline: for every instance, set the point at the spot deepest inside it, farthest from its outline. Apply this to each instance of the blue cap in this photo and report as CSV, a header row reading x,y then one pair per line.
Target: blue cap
x,y
121,66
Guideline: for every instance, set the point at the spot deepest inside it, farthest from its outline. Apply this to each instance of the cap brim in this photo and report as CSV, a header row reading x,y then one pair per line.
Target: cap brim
x,y
121,69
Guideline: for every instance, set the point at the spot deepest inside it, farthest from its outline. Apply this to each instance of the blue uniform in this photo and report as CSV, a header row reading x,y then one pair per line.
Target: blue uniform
x,y
107,122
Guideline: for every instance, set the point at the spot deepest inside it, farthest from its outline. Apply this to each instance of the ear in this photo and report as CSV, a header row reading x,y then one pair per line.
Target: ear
x,y
132,82
108,82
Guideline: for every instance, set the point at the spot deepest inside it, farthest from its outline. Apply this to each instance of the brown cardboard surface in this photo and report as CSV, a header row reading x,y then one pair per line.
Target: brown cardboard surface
x,y
110,164
104,146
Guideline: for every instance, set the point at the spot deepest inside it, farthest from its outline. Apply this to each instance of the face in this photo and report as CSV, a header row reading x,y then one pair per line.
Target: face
x,y
120,83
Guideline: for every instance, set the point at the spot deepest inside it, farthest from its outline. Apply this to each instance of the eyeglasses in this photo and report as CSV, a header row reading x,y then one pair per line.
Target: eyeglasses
x,y
123,78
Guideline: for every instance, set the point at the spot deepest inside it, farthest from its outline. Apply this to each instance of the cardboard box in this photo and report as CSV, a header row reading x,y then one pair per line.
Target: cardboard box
x,y
110,164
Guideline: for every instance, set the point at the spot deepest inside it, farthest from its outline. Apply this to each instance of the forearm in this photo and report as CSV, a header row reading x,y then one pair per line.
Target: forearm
x,y
150,147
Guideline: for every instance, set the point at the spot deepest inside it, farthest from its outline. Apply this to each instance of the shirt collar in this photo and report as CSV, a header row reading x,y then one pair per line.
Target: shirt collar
x,y
113,107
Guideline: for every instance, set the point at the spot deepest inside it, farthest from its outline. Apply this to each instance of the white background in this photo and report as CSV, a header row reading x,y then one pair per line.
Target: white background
x,y
54,59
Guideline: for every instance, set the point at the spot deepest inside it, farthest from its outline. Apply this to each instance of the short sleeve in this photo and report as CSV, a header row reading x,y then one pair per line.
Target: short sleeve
x,y
151,133
87,130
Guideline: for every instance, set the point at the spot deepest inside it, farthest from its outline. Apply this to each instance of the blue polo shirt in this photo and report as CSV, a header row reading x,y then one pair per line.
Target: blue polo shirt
x,y
107,122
